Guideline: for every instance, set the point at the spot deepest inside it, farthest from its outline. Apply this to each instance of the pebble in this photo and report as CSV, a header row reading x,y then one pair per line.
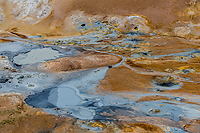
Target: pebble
x,y
154,111
169,70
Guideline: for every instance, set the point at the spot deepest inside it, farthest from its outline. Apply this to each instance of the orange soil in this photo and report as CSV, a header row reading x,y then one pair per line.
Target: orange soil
x,y
123,79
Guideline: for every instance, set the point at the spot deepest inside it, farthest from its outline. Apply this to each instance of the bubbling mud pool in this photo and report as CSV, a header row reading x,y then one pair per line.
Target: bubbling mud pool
x,y
118,73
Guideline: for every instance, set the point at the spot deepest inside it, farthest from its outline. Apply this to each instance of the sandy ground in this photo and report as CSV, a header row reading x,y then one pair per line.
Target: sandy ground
x,y
159,12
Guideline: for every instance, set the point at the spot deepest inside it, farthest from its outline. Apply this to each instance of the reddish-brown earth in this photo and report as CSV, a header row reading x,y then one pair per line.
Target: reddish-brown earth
x,y
123,79
75,63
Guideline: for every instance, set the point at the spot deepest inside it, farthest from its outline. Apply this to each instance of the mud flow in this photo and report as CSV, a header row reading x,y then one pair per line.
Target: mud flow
x,y
73,66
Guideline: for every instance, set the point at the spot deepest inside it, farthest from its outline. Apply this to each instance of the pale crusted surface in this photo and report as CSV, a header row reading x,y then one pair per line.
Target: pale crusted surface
x,y
2,16
30,11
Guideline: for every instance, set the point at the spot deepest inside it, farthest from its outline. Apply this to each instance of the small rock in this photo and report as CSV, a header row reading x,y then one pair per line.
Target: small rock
x,y
169,70
185,71
159,90
182,31
154,111
3,80
31,85
167,81
109,66
178,99
56,108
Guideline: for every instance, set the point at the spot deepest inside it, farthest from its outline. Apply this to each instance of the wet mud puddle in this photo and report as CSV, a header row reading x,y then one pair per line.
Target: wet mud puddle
x,y
134,77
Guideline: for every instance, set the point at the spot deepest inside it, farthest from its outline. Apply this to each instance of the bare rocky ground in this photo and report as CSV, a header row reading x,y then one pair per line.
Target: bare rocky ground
x,y
100,66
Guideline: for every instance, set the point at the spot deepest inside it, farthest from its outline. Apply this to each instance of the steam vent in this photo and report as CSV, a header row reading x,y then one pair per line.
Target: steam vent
x,y
99,66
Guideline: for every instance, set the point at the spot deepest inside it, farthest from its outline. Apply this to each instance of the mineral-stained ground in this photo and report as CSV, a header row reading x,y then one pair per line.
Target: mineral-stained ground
x,y
100,66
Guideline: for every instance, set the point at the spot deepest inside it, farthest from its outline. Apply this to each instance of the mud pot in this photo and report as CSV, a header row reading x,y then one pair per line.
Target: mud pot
x,y
100,66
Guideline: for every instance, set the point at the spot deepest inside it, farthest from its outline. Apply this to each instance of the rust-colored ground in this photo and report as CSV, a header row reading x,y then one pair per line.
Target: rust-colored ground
x,y
123,79
83,62
161,65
